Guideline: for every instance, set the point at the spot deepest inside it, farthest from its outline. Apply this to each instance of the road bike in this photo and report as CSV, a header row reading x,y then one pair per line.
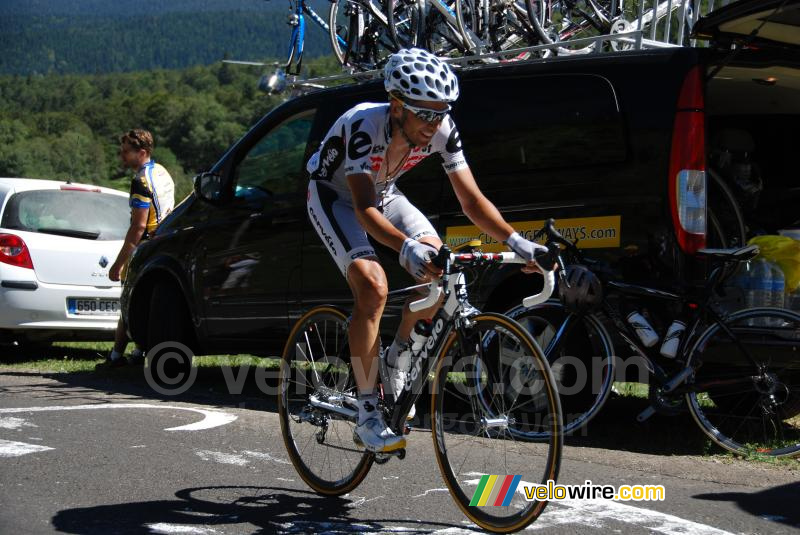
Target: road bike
x,y
737,373
299,9
364,33
469,420
575,23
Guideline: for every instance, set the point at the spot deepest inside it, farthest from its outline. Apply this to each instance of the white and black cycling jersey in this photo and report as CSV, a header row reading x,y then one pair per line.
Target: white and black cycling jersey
x,y
357,143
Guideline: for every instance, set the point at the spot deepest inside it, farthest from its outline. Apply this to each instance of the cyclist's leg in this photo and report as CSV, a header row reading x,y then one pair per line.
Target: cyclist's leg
x,y
337,226
367,280
410,221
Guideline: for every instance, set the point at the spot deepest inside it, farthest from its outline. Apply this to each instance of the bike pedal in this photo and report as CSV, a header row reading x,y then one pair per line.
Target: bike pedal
x,y
383,457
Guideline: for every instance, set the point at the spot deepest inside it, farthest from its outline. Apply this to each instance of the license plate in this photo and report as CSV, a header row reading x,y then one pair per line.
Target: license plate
x,y
93,307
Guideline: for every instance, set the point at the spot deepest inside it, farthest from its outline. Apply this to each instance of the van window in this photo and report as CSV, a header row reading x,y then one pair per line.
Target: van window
x,y
541,122
274,165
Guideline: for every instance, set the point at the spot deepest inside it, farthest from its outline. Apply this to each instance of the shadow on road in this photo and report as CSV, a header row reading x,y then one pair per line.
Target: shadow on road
x,y
778,504
614,428
252,509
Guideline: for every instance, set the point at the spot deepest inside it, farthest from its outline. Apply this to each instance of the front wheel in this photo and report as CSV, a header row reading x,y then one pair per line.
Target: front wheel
x,y
745,392
316,403
484,466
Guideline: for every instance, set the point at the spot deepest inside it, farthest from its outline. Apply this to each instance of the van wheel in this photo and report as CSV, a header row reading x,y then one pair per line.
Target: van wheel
x,y
167,334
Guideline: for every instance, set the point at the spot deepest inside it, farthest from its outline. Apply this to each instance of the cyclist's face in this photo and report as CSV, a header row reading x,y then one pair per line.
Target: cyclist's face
x,y
131,157
418,131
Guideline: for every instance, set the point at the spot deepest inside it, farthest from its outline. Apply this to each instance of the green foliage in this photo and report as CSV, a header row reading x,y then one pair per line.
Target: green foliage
x,y
68,126
67,43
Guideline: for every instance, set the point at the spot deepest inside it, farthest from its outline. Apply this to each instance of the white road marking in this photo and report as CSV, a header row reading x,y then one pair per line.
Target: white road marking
x,y
9,448
359,501
212,418
222,458
240,459
428,492
14,423
264,456
165,528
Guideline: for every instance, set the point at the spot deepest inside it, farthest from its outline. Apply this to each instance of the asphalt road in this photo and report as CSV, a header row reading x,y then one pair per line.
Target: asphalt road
x,y
77,457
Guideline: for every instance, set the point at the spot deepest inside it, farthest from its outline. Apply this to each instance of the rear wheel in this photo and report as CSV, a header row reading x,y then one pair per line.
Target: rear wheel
x,y
471,419
746,391
582,360
316,404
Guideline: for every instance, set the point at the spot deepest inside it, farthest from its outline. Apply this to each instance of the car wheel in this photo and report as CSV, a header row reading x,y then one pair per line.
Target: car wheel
x,y
168,357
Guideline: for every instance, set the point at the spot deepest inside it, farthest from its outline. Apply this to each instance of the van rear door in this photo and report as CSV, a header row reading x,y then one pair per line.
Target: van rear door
x,y
775,22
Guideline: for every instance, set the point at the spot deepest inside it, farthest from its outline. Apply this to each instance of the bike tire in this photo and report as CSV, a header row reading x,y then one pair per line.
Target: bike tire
x,y
443,38
748,408
469,18
471,440
345,30
404,21
316,362
554,26
727,228
582,361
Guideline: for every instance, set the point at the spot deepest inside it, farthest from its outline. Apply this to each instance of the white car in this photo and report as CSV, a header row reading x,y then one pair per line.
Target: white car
x,y
57,243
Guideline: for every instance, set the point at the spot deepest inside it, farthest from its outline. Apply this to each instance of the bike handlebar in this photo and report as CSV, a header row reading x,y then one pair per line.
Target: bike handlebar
x,y
545,259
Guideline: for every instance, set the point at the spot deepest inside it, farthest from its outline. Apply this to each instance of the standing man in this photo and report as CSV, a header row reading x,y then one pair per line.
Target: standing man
x,y
152,198
353,192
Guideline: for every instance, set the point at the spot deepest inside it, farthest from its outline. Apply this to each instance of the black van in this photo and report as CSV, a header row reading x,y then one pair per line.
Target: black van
x,y
632,152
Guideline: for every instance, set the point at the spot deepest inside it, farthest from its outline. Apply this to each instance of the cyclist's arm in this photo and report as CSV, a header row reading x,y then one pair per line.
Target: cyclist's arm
x,y
372,220
480,210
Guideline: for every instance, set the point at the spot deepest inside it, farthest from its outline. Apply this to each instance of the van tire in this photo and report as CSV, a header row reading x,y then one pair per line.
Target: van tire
x,y
167,323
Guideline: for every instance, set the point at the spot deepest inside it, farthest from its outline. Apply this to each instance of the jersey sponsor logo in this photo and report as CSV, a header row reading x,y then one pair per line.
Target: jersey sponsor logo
x,y
438,327
330,158
376,162
412,161
378,149
454,140
361,254
426,149
453,165
325,236
360,143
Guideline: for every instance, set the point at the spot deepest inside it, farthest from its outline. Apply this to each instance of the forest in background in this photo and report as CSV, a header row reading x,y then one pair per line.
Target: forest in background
x,y
68,126
95,37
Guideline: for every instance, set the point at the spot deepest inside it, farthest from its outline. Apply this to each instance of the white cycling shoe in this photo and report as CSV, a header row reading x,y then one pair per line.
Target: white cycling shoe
x,y
375,436
397,381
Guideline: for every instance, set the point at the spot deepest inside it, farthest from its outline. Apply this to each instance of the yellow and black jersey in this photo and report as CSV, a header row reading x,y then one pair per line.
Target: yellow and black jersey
x,y
152,188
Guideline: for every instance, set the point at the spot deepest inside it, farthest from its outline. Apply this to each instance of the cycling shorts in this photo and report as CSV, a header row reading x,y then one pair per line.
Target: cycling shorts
x,y
336,224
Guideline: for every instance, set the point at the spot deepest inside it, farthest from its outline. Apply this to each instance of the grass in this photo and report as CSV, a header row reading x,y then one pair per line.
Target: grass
x,y
75,357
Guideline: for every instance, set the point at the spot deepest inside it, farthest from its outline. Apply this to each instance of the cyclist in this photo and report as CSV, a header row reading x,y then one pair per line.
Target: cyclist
x,y
352,192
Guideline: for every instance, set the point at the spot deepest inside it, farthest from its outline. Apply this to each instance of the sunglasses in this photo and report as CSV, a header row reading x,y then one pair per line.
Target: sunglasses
x,y
424,114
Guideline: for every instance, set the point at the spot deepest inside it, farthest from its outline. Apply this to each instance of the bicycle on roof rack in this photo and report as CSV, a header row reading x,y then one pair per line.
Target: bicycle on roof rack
x,y
738,373
569,22
469,416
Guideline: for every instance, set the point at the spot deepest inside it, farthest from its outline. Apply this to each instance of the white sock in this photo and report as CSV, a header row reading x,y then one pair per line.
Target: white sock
x,y
115,355
367,406
393,353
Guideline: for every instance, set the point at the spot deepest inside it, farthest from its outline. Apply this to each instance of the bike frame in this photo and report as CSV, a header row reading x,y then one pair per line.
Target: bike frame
x,y
702,312
297,40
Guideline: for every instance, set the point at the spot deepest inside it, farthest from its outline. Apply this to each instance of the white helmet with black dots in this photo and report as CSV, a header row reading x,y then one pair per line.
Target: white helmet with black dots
x,y
419,75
